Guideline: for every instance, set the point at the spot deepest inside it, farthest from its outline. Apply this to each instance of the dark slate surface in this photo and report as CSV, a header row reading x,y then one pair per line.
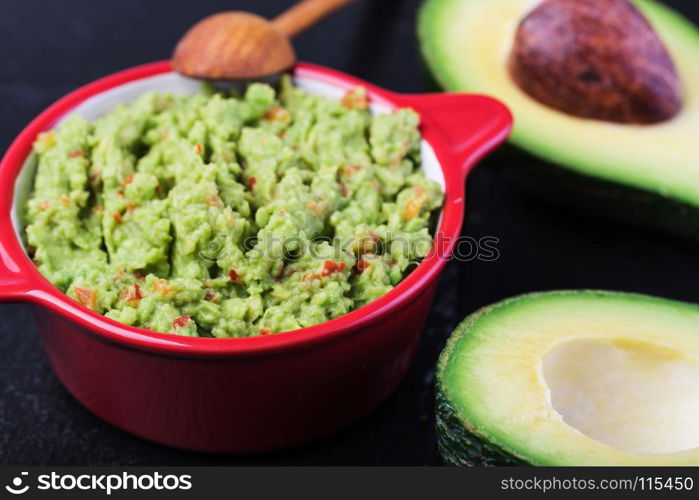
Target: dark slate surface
x,y
49,48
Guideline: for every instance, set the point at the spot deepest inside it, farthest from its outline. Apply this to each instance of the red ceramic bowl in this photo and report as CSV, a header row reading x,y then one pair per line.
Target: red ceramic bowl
x,y
248,394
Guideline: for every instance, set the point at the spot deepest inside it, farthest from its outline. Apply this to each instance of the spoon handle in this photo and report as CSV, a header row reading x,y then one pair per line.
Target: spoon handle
x,y
305,14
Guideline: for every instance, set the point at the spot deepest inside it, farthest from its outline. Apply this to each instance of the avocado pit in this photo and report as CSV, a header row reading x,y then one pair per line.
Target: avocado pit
x,y
596,59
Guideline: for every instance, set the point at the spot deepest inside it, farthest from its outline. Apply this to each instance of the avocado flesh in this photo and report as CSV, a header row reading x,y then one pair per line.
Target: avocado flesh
x,y
572,378
466,44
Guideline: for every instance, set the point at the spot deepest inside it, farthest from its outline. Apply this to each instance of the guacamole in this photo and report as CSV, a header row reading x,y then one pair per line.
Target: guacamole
x,y
231,216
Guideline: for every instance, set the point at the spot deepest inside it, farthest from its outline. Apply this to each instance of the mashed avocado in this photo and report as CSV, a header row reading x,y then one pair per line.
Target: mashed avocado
x,y
220,216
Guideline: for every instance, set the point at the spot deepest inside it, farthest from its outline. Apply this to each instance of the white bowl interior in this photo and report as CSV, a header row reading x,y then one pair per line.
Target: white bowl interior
x,y
103,103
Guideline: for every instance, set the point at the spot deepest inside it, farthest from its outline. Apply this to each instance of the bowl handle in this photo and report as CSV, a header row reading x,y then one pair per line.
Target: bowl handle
x,y
469,126
15,283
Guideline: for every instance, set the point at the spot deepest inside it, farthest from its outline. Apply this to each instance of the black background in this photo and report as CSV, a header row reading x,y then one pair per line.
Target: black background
x,y
47,48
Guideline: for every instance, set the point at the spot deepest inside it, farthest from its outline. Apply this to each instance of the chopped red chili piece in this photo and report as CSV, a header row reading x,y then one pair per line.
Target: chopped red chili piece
x,y
355,99
332,267
251,182
87,297
265,331
235,277
181,322
362,265
117,217
132,294
128,180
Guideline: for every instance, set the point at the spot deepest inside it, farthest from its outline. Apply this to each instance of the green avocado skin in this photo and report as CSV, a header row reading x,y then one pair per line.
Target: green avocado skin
x,y
590,196
457,439
460,447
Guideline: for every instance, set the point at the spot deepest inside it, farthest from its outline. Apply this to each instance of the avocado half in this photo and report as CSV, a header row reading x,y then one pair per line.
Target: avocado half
x,y
572,378
646,174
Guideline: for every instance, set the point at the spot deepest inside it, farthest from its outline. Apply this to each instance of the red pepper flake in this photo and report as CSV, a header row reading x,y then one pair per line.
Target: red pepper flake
x,y
120,192
251,182
128,180
76,154
235,277
265,331
95,176
356,99
97,208
139,275
362,265
130,207
332,267
209,296
132,294
199,148
117,217
87,297
343,189
181,322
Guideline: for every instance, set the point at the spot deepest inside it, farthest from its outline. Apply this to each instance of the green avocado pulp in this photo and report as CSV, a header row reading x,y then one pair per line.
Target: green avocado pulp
x,y
221,216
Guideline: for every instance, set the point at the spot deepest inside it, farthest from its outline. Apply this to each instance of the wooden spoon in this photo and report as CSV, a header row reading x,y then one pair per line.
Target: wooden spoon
x,y
232,46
